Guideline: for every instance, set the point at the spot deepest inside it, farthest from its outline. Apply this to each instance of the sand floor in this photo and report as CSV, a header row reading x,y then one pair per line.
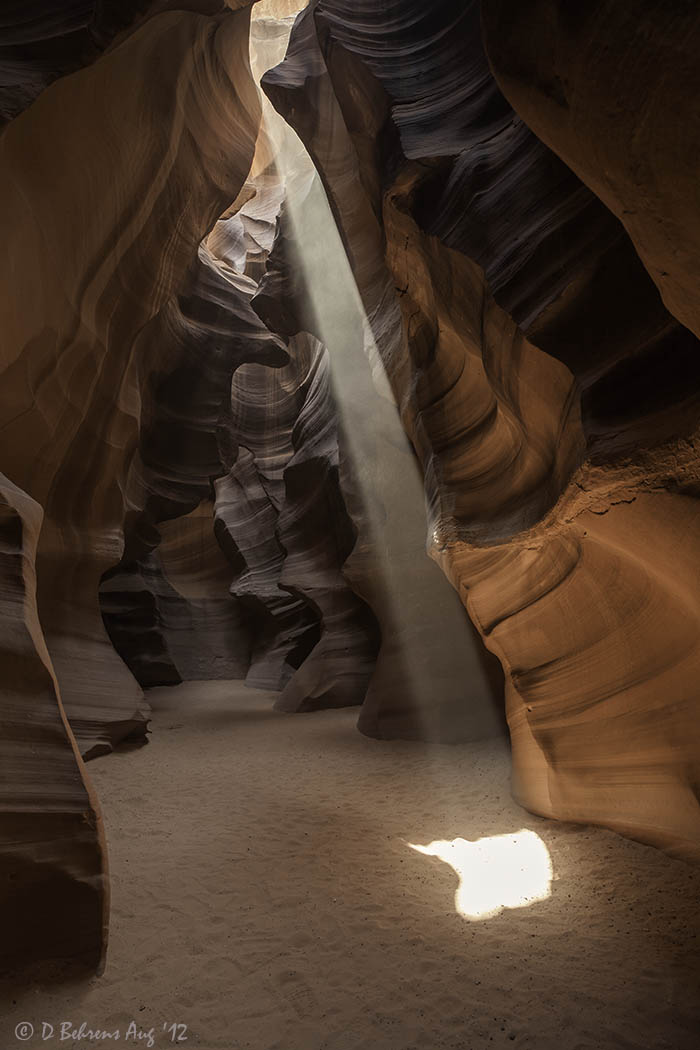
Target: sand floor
x,y
265,897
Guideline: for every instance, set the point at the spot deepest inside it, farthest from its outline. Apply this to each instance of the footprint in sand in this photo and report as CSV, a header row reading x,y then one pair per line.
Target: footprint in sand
x,y
297,992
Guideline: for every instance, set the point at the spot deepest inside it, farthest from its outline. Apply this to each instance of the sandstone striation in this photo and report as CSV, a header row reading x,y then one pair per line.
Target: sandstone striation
x,y
53,884
247,379
431,680
161,599
611,89
41,41
70,391
528,350
280,505
107,191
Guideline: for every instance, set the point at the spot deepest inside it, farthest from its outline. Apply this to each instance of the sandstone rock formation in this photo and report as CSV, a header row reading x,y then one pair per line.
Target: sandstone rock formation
x,y
190,351
106,192
611,88
40,41
432,679
208,416
53,884
531,364
282,505
228,435
70,387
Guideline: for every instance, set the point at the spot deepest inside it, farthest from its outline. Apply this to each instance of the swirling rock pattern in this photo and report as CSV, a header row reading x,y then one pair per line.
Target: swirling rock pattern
x,y
70,393
107,191
267,438
190,351
282,507
319,536
617,747
611,89
198,426
170,615
205,630
41,41
183,425
543,385
431,680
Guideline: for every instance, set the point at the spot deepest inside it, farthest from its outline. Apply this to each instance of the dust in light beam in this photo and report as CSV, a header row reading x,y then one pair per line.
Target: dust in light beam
x,y
501,871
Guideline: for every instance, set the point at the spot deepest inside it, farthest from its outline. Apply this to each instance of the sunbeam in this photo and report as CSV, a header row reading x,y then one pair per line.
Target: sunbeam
x,y
430,681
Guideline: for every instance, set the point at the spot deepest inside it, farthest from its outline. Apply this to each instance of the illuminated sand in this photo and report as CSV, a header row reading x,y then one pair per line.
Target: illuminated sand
x,y
266,895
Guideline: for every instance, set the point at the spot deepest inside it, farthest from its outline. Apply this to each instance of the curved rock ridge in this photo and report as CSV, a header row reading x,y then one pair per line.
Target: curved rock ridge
x,y
315,528
107,193
206,631
284,628
41,40
619,746
282,508
560,68
170,615
264,408
529,352
244,240
53,882
319,537
553,256
521,474
432,679
70,400
196,426
188,354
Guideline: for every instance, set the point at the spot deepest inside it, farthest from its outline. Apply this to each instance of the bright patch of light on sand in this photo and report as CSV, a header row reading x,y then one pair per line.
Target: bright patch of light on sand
x,y
501,871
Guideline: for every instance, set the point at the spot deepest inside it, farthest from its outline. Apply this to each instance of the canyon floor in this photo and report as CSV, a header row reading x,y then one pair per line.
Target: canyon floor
x,y
265,896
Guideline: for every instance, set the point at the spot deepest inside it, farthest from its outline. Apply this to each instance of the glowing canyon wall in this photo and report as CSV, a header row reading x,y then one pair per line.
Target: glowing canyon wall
x,y
109,182
549,394
179,503
229,436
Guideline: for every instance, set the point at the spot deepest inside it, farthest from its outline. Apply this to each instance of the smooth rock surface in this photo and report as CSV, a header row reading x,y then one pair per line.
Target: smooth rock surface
x,y
69,398
612,89
106,191
53,878
551,399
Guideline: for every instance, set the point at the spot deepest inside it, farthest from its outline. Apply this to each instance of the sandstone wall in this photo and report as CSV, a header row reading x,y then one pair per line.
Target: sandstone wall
x,y
108,182
550,396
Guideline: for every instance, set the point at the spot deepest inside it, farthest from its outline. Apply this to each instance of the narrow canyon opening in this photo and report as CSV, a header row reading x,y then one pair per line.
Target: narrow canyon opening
x,y
320,519
348,531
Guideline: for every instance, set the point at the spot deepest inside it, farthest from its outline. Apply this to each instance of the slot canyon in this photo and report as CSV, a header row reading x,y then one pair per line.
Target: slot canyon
x,y
350,524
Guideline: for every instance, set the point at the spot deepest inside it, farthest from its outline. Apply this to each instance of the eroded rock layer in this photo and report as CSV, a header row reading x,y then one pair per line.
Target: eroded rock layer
x,y
611,88
205,398
53,886
69,398
191,350
41,41
544,386
107,190
431,679
281,509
